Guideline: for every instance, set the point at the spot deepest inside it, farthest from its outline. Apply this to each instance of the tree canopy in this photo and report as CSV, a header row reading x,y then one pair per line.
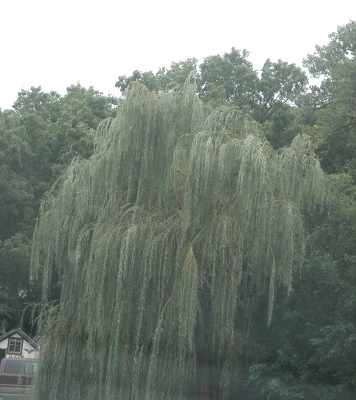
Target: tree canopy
x,y
160,239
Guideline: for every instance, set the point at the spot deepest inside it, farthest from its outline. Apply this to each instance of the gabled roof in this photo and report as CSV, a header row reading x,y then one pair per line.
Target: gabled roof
x,y
20,333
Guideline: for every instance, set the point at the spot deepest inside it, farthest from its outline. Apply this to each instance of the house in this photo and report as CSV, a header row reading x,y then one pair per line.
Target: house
x,y
16,344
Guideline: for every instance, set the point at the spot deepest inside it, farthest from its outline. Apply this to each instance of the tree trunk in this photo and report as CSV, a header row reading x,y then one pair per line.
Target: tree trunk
x,y
214,373
207,372
202,359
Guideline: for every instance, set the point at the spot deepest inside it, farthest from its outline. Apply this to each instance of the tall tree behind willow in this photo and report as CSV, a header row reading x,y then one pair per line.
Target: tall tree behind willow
x,y
159,239
333,102
229,79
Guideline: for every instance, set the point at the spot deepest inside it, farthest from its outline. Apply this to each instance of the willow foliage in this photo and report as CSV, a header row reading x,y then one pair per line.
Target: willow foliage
x,y
157,240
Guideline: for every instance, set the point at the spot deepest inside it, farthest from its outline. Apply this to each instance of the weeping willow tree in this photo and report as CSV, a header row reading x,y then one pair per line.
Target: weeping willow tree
x,y
157,243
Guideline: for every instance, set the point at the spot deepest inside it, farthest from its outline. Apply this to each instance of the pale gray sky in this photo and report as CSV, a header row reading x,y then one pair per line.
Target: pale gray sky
x,y
53,43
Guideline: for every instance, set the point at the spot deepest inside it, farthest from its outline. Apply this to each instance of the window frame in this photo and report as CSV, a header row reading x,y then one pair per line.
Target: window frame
x,y
9,345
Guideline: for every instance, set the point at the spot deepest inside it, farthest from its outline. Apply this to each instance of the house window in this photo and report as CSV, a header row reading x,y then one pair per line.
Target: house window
x,y
30,367
15,345
12,367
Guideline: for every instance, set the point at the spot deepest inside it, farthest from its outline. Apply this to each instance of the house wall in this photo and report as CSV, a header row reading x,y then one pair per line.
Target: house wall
x,y
4,343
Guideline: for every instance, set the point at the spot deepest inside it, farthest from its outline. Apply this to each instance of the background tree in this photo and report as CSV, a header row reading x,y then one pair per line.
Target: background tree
x,y
231,80
164,80
334,100
280,84
160,240
39,137
15,283
72,134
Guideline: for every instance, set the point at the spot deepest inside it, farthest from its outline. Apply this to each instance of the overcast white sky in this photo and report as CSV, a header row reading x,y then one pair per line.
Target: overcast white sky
x,y
53,43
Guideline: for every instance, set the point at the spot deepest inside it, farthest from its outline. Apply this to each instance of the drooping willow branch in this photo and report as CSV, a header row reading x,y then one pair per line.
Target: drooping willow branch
x,y
171,201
